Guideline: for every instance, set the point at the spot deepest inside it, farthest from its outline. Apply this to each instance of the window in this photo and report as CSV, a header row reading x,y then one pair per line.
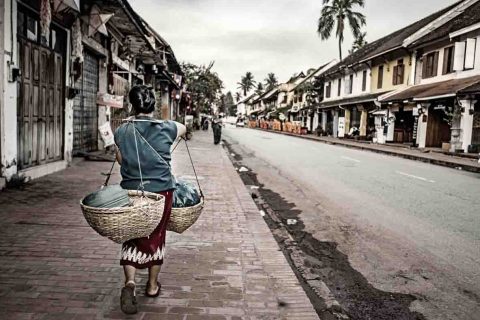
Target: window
x,y
300,98
364,80
339,86
328,89
284,100
430,65
32,28
398,73
380,77
351,84
448,60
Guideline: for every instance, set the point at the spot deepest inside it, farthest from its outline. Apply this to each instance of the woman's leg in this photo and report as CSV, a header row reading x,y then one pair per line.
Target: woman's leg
x,y
129,272
153,272
128,302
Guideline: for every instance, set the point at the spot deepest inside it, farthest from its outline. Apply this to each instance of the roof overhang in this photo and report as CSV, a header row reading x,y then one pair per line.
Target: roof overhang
x,y
436,90
468,29
351,101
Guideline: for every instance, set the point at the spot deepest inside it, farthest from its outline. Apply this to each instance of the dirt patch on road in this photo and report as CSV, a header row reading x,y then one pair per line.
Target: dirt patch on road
x,y
336,290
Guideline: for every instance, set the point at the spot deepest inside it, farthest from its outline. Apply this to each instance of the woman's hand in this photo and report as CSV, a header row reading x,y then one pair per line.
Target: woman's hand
x,y
181,129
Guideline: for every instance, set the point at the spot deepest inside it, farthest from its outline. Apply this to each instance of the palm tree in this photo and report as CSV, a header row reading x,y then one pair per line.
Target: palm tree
x,y
271,81
337,13
359,42
246,83
238,96
259,89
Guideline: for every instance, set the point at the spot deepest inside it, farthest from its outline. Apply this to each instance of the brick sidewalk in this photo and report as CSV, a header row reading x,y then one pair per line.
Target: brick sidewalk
x,y
228,266
452,161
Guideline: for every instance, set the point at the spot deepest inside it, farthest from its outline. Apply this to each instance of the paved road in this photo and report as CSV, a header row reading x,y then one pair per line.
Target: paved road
x,y
404,217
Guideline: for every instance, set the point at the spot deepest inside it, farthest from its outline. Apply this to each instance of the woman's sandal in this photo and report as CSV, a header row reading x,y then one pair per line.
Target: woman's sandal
x,y
128,301
153,295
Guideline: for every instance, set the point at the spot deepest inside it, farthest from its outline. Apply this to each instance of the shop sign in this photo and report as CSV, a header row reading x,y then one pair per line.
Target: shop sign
x,y
439,107
341,127
109,100
415,129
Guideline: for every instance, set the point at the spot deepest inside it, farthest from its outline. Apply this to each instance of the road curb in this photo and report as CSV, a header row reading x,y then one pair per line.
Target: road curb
x,y
443,163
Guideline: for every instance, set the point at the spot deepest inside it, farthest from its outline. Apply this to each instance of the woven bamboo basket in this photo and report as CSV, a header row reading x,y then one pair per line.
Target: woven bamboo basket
x,y
121,224
183,218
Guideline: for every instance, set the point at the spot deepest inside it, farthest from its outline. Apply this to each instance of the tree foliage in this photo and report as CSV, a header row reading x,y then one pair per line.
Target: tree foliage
x,y
246,83
230,106
359,42
336,14
203,85
271,81
238,96
259,89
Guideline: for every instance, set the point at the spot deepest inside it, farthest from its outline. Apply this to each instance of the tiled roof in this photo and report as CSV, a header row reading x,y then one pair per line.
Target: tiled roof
x,y
448,87
388,42
311,75
470,16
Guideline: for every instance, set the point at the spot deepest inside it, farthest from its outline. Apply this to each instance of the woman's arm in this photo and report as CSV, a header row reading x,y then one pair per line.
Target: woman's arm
x,y
181,129
118,155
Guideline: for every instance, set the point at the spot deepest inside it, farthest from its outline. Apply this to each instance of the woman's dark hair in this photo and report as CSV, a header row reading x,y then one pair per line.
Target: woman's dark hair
x,y
142,99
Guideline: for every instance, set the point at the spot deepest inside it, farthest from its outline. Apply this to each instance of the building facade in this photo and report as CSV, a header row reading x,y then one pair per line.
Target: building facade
x,y
65,76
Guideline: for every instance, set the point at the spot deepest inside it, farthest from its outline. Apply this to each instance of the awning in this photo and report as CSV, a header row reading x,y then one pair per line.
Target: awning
x,y
351,101
443,89
379,112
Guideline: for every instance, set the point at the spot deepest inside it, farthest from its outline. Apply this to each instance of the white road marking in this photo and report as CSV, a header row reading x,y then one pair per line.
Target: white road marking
x,y
351,159
414,177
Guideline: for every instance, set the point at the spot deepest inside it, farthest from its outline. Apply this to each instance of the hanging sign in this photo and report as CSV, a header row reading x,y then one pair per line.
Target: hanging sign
x,y
109,100
106,134
97,21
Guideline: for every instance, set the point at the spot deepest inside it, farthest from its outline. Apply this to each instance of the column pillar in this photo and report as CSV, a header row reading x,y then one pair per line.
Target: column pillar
x,y
335,123
8,94
466,123
422,124
347,120
363,123
324,121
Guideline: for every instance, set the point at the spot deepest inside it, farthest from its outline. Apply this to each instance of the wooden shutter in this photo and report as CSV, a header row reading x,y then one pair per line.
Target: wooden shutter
x,y
435,64
445,60
395,75
459,56
380,77
424,66
401,75
470,53
364,80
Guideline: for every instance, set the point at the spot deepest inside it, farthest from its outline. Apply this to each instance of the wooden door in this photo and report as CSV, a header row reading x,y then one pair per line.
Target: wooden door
x,y
40,105
438,130
476,125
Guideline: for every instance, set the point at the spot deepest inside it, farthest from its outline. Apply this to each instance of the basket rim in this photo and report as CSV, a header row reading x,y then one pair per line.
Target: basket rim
x,y
155,196
201,203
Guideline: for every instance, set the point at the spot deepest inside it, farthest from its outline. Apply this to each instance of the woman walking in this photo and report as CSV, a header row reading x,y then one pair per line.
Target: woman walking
x,y
147,141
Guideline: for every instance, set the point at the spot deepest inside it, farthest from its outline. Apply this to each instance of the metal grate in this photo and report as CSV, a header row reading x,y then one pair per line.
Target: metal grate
x,y
85,111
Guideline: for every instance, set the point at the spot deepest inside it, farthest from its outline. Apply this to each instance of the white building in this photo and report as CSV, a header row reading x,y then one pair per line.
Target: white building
x,y
447,80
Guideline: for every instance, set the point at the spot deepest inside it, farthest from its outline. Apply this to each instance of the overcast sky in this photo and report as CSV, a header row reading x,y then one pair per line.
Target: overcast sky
x,y
265,36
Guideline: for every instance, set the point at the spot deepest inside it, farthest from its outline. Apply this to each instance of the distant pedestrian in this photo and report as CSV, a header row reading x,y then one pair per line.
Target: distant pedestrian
x,y
153,139
217,124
